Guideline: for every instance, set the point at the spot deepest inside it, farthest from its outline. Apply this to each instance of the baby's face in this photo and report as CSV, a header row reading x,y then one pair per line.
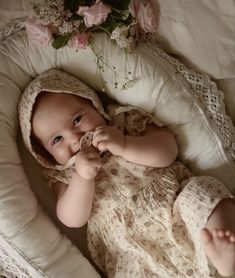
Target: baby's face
x,y
60,120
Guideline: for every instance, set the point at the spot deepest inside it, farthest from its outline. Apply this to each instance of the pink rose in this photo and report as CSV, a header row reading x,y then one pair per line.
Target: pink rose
x,y
143,12
38,33
94,15
79,41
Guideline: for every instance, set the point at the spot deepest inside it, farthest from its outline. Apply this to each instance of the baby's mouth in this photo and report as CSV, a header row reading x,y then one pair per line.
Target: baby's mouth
x,y
85,141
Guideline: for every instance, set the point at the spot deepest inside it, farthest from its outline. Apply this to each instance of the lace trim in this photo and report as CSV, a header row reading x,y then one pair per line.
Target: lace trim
x,y
210,97
14,264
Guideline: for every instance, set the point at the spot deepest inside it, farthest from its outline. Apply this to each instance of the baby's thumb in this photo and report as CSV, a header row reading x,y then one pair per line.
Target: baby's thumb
x,y
102,146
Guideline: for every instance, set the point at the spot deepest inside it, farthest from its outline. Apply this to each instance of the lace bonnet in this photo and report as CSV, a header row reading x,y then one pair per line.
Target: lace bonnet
x,y
56,81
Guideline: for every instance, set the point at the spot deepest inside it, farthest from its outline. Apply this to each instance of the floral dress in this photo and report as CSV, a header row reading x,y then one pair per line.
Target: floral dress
x,y
146,221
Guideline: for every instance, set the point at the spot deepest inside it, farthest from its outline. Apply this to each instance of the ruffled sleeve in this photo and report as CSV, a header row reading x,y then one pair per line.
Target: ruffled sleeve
x,y
54,176
131,120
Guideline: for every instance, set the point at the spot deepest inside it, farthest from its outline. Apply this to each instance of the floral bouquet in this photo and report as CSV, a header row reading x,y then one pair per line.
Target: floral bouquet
x,y
72,22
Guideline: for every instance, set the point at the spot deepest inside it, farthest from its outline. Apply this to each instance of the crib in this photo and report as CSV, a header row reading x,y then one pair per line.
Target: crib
x,y
191,91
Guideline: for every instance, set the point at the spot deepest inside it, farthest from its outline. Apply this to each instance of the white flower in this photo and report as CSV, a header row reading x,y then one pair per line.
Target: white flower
x,y
66,27
121,36
53,13
49,15
77,23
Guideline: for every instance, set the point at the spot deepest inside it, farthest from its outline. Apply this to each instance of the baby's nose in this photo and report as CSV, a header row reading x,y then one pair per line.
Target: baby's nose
x,y
75,141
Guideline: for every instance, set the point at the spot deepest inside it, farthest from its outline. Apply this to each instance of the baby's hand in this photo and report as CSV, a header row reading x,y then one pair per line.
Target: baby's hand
x,y
109,138
88,163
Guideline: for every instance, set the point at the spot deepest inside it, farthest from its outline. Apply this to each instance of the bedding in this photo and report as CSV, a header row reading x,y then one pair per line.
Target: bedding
x,y
201,32
119,183
204,131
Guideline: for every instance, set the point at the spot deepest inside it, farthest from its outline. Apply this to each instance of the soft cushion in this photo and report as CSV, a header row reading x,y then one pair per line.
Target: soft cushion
x,y
185,102
23,221
200,32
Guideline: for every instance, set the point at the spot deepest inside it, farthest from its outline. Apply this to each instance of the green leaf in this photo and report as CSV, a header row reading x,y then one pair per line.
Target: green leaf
x,y
118,4
125,14
71,5
124,4
60,41
76,17
109,24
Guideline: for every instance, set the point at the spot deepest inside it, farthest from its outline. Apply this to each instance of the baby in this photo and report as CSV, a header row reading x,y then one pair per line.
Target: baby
x,y
148,216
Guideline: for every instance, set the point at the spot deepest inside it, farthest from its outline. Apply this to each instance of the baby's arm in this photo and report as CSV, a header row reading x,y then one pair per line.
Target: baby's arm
x,y
74,202
156,147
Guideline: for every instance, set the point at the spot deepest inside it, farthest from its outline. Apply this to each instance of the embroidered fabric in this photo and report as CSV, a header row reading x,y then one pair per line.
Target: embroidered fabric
x,y
209,96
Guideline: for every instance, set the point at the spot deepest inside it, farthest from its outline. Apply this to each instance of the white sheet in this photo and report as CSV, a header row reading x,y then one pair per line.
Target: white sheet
x,y
15,9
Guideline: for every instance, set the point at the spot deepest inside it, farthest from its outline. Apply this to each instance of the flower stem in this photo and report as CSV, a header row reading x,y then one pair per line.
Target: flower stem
x,y
102,28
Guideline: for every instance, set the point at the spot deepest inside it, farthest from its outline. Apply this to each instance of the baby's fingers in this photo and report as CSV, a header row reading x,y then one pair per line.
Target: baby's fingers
x,y
89,152
103,146
92,155
99,136
96,163
89,168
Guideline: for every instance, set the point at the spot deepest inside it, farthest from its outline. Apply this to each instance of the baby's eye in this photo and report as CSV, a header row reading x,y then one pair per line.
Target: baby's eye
x,y
56,140
77,120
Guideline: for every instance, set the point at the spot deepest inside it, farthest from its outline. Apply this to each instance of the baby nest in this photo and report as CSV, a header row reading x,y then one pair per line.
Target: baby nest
x,y
187,103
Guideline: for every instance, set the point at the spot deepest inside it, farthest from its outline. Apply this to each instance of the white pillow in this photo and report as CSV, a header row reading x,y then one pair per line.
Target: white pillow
x,y
186,102
201,32
159,86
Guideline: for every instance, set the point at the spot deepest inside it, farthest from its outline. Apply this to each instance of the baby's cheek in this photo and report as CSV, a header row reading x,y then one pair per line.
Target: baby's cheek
x,y
62,156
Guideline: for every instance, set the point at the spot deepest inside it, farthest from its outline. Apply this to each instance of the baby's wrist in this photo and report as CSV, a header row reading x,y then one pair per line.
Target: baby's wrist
x,y
122,147
123,144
